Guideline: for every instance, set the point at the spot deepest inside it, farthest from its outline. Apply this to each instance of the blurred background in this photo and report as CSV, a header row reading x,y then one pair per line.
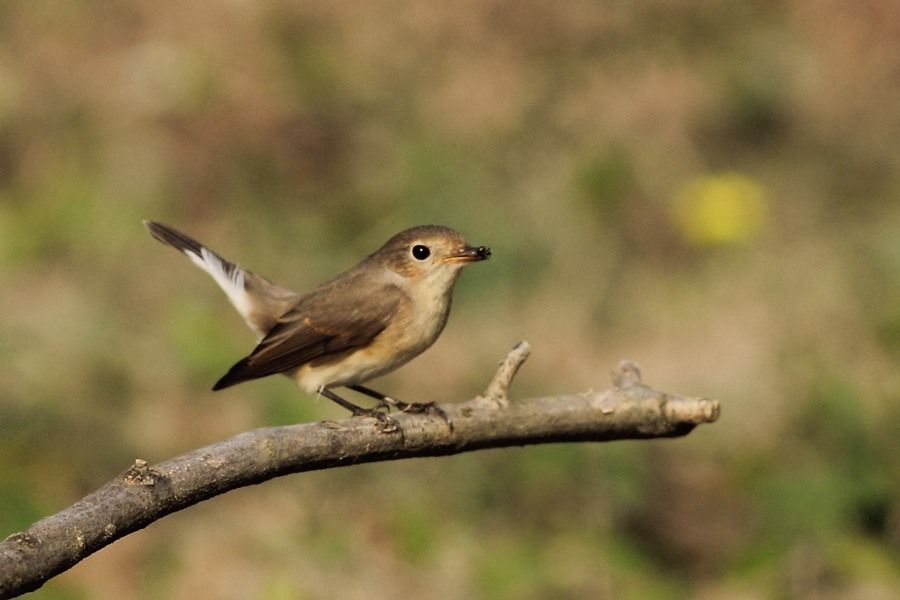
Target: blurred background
x,y
709,189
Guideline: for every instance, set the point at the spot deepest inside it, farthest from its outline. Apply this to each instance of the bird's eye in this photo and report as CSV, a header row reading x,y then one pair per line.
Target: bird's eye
x,y
420,252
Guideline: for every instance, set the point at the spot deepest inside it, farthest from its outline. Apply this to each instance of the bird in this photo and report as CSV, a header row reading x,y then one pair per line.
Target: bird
x,y
365,322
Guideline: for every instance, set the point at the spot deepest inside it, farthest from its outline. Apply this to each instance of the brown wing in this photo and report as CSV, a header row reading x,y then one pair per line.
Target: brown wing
x,y
324,325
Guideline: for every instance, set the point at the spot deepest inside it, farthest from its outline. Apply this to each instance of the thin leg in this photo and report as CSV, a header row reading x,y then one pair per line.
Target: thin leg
x,y
387,424
384,401
407,407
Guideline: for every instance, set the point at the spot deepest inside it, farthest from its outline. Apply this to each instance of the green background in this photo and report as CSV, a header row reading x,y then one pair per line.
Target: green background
x,y
707,188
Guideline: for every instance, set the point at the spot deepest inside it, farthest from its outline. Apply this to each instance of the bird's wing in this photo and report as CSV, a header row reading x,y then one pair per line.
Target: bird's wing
x,y
325,325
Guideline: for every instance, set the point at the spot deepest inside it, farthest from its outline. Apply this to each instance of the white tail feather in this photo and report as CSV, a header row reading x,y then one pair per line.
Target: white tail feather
x,y
231,283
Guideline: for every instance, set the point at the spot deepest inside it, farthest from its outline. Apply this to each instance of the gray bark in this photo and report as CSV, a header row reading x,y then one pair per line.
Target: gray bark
x,y
145,493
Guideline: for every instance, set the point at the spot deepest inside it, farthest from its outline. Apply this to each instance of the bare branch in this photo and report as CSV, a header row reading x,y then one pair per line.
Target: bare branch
x,y
145,493
498,389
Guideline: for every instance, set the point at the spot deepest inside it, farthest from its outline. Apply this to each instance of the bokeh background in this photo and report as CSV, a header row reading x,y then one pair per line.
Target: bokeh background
x,y
707,188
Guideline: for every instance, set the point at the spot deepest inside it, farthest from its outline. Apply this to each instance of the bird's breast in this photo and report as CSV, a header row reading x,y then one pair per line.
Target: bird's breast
x,y
418,322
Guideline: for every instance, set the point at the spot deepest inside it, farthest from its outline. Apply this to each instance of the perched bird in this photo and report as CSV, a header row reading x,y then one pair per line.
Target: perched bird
x,y
364,323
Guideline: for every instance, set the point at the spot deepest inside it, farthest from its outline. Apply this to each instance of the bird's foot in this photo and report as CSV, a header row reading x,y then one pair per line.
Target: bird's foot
x,y
386,403
386,423
428,408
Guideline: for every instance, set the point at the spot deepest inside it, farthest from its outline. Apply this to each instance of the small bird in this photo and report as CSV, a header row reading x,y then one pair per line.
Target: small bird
x,y
365,322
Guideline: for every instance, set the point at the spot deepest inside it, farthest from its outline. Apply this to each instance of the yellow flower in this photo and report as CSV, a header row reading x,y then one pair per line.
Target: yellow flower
x,y
726,208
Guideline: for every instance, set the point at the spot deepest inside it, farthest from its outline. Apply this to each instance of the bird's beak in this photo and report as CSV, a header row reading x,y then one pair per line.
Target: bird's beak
x,y
470,254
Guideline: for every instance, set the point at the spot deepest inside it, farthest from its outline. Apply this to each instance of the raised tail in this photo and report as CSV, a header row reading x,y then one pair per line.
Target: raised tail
x,y
256,298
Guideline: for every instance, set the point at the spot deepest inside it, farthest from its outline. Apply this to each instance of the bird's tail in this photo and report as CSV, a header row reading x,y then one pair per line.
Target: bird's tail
x,y
256,298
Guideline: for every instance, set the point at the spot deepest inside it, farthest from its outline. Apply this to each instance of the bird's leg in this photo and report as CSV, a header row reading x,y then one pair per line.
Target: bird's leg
x,y
384,401
386,423
407,407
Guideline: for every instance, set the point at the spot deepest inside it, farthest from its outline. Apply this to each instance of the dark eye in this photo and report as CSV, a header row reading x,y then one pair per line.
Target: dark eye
x,y
420,252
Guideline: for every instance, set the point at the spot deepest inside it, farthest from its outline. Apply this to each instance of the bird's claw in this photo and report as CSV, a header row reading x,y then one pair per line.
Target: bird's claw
x,y
428,408
386,423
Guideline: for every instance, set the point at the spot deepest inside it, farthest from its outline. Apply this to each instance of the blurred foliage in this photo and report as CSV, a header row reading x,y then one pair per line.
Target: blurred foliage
x,y
709,189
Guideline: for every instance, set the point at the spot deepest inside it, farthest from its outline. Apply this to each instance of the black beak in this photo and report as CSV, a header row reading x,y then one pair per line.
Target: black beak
x,y
470,254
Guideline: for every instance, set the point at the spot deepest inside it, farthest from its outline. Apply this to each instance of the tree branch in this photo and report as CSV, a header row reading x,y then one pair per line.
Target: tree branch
x,y
145,493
